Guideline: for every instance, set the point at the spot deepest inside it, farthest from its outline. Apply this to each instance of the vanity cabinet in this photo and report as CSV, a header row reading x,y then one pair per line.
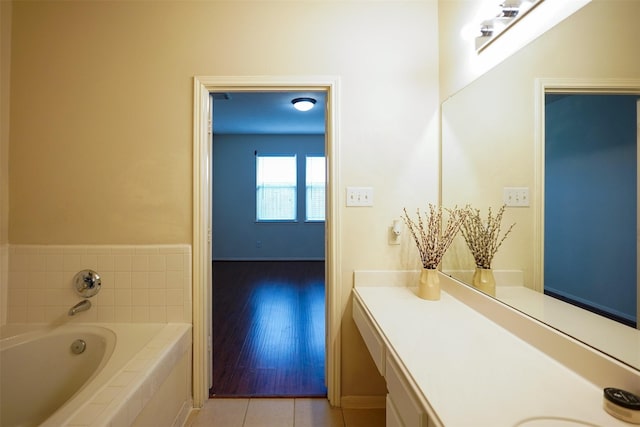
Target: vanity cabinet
x,y
403,408
371,336
401,398
446,363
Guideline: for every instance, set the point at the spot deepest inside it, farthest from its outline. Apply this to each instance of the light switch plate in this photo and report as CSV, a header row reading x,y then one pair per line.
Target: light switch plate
x,y
359,196
516,196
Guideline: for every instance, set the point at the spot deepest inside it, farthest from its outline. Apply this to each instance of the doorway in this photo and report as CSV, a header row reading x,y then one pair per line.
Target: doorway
x,y
591,202
202,344
560,94
268,229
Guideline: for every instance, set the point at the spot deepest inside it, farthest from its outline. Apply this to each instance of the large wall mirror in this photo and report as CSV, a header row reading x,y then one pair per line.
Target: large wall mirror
x,y
494,134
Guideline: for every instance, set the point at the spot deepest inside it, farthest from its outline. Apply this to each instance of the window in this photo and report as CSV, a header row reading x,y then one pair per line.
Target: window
x,y
315,188
276,188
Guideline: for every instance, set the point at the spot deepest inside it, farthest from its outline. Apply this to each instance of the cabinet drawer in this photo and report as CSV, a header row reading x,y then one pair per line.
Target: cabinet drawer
x,y
370,335
402,397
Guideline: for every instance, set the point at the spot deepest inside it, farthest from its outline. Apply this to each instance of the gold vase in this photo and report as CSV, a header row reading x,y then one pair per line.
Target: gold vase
x,y
484,281
429,285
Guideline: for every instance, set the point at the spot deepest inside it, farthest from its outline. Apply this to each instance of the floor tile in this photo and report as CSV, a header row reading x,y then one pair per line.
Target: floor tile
x,y
282,412
364,417
222,413
316,413
269,413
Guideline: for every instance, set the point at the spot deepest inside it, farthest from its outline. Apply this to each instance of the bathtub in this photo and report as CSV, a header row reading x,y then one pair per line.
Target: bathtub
x,y
94,375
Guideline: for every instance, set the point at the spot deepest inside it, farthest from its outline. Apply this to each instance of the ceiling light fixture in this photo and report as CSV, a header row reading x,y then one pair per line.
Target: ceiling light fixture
x,y
303,104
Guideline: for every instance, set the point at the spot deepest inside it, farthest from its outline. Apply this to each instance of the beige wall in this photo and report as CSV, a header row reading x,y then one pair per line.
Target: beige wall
x,y
101,124
102,116
488,127
5,78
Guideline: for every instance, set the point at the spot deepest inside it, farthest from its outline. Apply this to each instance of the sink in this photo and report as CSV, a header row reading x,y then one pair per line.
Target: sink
x,y
553,422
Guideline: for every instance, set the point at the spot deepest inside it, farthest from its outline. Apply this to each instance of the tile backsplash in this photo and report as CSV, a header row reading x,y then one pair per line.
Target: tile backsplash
x,y
140,283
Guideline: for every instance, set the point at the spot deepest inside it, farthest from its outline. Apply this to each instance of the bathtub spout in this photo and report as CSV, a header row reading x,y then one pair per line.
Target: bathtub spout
x,y
83,305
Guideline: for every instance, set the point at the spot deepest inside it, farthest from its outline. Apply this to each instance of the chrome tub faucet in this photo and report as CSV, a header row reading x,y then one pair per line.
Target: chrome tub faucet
x,y
83,305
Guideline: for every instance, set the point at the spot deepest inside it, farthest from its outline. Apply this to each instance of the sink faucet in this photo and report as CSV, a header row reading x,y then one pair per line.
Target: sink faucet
x,y
83,305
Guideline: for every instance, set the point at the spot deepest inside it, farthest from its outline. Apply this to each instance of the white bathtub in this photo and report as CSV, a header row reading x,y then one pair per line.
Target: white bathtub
x,y
118,380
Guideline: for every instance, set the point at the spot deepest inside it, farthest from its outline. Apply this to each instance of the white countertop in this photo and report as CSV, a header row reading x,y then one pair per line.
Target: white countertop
x,y
472,371
614,338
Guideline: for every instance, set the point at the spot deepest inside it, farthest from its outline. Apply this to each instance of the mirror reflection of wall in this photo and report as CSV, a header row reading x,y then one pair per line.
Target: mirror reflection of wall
x,y
491,139
590,199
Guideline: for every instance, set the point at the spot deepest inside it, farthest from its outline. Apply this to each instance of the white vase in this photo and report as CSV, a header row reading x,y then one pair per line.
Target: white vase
x,y
484,281
429,284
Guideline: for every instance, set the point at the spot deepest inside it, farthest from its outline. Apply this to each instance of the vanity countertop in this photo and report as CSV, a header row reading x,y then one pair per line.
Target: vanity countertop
x,y
614,338
472,371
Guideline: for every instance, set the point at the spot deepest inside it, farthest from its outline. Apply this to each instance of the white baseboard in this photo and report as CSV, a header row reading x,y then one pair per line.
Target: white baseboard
x,y
363,402
269,259
183,416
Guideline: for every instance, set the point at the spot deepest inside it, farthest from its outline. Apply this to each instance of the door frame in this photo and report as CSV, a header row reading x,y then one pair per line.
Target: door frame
x,y
201,262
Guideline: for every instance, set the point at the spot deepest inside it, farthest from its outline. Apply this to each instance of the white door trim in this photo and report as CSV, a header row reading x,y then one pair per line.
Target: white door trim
x,y
203,86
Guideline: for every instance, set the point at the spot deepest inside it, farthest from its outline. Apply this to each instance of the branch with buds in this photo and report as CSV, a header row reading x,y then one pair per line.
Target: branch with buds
x,y
483,237
432,241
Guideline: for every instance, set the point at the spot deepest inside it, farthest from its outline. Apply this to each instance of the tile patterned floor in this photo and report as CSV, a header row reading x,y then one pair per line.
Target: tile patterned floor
x,y
282,413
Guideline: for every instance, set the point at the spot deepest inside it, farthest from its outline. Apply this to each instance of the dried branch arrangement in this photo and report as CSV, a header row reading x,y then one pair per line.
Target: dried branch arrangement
x,y
483,237
432,241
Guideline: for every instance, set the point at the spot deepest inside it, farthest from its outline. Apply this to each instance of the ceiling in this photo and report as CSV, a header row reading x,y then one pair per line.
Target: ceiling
x,y
266,113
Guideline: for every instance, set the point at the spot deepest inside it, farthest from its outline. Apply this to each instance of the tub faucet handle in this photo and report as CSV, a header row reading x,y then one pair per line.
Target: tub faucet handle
x,y
87,283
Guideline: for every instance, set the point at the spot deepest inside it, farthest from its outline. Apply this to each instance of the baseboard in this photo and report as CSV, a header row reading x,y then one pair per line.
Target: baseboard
x,y
269,259
363,402
191,417
187,415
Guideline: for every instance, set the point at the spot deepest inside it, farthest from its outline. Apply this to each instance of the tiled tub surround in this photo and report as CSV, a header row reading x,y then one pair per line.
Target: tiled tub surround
x,y
468,359
145,382
140,283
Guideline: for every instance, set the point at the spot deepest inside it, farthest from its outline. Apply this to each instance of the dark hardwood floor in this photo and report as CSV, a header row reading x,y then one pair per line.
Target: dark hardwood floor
x,y
268,329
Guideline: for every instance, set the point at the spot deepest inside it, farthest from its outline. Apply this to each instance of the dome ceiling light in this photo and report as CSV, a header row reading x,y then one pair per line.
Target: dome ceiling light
x,y
303,104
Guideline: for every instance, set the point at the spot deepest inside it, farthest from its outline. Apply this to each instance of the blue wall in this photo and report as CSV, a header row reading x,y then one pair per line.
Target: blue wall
x,y
590,201
236,234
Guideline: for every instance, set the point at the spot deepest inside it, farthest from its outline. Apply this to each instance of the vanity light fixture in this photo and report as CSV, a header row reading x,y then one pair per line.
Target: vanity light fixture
x,y
508,12
303,104
486,30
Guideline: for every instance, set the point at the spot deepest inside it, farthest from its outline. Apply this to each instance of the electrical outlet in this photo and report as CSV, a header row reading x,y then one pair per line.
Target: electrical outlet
x,y
516,196
359,196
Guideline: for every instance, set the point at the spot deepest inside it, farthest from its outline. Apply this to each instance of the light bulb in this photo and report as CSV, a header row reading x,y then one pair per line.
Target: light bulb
x,y
303,104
